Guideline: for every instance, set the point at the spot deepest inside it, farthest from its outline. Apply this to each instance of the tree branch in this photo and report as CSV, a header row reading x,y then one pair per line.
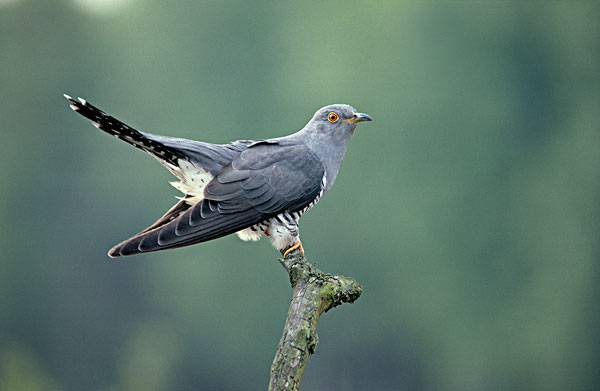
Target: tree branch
x,y
314,292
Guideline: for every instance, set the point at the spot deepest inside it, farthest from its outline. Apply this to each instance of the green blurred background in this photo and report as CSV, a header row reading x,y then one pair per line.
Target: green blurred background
x,y
469,209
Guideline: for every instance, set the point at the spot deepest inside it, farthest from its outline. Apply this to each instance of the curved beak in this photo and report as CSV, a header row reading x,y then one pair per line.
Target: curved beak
x,y
361,117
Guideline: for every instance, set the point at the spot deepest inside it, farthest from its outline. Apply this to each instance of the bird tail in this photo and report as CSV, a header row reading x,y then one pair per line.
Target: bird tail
x,y
114,127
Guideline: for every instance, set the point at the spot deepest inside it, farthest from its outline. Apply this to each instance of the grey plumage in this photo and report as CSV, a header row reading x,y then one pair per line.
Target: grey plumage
x,y
254,188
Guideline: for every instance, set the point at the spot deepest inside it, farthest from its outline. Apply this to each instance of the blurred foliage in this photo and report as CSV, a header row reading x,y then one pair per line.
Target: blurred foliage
x,y
468,209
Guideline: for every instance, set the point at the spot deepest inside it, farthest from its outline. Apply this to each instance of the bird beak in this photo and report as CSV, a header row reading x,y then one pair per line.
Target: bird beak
x,y
360,117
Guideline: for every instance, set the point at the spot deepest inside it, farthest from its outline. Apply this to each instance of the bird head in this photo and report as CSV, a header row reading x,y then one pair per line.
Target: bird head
x,y
330,129
327,135
337,119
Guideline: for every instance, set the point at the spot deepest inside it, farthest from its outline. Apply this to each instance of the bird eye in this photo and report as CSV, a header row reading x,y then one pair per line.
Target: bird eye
x,y
333,117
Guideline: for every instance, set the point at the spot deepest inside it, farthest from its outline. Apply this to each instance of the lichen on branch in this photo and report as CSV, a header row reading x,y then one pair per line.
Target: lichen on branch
x,y
313,293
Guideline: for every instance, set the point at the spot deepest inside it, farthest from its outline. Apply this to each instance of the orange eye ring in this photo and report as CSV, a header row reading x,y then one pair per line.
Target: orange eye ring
x,y
333,117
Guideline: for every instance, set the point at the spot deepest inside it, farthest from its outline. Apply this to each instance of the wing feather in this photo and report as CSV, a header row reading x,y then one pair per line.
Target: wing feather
x,y
263,181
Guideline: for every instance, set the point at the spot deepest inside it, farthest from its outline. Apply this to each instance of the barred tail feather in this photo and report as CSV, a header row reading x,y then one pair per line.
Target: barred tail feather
x,y
114,127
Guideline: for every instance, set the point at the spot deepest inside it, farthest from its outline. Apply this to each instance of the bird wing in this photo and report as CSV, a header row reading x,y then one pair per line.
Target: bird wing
x,y
264,180
181,206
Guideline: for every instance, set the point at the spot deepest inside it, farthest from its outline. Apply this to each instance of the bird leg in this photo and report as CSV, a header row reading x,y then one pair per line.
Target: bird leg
x,y
295,246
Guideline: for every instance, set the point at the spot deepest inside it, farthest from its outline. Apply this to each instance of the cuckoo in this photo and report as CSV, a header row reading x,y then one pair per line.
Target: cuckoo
x,y
254,188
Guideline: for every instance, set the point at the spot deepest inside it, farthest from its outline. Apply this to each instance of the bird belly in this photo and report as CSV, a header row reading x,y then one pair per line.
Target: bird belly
x,y
255,232
282,230
282,234
249,234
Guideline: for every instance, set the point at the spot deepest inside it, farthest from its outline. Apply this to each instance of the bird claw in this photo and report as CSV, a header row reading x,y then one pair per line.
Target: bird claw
x,y
295,246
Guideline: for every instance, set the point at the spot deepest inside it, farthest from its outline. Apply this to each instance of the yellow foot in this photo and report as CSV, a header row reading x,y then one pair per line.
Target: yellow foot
x,y
295,246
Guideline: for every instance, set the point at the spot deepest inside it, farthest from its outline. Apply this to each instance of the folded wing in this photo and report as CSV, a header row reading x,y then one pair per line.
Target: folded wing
x,y
264,180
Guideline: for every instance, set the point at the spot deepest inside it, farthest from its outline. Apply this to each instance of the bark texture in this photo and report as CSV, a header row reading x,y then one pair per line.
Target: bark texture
x,y
314,292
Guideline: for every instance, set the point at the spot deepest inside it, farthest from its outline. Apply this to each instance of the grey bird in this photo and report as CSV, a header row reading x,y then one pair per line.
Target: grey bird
x,y
254,188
